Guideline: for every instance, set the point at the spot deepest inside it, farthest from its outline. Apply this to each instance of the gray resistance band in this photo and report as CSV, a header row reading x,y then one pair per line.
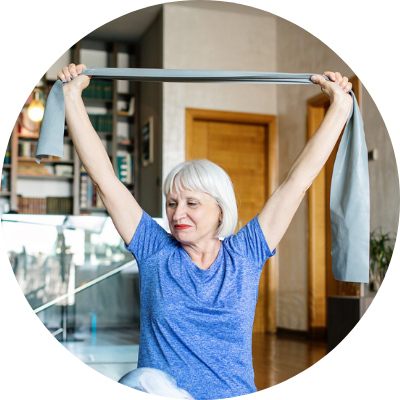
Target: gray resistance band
x,y
349,203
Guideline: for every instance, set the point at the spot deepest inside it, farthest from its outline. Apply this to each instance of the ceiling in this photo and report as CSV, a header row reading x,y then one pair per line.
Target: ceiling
x,y
130,27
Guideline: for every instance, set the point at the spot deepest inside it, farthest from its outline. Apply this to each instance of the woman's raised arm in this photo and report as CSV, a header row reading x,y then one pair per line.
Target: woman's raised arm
x,y
280,208
119,202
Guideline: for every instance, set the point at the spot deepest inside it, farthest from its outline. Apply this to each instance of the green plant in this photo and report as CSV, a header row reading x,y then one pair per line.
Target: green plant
x,y
381,250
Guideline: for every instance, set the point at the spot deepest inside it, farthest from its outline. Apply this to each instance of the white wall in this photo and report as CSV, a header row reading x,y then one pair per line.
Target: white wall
x,y
42,188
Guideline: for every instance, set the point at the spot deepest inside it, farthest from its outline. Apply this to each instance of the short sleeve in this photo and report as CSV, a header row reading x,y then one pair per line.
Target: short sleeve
x,y
250,243
148,239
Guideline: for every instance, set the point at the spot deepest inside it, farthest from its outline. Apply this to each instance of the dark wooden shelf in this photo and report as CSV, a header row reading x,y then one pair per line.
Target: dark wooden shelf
x,y
35,138
130,94
93,209
125,114
46,160
29,137
48,177
96,100
104,135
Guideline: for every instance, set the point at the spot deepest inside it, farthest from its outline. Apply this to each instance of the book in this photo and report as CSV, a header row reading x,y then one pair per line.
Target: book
x,y
84,178
59,205
5,181
126,108
33,205
124,167
7,158
64,170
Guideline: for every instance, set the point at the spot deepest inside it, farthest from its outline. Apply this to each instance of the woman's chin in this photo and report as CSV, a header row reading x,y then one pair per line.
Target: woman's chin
x,y
184,237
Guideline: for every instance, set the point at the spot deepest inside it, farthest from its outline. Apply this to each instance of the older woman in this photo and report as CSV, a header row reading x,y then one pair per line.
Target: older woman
x,y
198,293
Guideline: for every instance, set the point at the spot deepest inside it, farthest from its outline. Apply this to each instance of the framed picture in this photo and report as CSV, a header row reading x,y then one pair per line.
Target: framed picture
x,y
147,142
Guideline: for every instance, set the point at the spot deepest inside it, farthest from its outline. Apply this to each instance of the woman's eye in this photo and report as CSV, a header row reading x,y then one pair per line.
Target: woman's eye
x,y
192,204
171,204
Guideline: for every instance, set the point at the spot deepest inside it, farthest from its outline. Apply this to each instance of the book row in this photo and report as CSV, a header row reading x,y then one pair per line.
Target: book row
x,y
5,181
27,149
102,122
47,205
89,198
124,164
44,169
99,89
7,158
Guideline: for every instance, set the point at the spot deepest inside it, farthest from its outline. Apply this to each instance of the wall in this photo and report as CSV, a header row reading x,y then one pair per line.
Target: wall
x,y
383,172
206,37
200,38
151,105
301,52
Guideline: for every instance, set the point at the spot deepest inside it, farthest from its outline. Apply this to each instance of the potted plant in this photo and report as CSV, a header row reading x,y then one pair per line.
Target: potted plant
x,y
381,250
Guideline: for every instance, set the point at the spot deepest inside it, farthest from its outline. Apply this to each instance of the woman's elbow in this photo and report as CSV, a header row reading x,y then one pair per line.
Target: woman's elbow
x,y
296,186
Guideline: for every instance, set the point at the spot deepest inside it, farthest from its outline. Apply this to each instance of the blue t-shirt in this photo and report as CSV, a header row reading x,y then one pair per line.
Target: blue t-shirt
x,y
197,324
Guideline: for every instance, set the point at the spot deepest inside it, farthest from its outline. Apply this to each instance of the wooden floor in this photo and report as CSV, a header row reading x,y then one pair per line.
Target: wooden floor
x,y
277,358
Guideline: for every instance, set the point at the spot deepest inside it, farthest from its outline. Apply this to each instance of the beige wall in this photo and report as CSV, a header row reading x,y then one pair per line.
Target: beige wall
x,y
197,38
151,105
202,38
383,172
298,51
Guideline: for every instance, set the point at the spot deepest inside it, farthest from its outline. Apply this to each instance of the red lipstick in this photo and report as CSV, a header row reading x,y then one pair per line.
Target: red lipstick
x,y
181,227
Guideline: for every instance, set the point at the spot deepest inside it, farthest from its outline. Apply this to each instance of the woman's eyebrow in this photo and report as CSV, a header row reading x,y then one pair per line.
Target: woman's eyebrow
x,y
191,198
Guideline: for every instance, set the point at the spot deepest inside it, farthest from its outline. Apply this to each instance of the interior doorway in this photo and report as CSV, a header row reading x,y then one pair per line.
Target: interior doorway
x,y
245,145
321,282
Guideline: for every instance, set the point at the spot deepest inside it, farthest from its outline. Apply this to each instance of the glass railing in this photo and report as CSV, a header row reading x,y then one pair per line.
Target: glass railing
x,y
84,286
51,255
82,283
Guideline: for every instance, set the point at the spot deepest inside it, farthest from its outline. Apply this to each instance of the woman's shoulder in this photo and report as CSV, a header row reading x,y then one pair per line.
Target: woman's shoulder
x,y
253,226
149,238
157,224
248,241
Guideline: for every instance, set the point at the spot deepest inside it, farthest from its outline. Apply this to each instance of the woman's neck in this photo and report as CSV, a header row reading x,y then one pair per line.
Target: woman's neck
x,y
204,255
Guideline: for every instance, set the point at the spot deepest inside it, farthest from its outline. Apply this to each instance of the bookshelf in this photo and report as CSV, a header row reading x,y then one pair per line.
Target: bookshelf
x,y
113,109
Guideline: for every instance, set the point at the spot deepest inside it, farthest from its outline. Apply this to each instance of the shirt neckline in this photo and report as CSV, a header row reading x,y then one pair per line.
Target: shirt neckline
x,y
197,269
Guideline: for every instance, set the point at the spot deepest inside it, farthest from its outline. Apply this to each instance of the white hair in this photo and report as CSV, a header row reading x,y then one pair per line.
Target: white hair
x,y
207,177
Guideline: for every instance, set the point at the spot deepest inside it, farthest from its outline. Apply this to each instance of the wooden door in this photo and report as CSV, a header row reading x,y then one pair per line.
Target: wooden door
x,y
321,282
240,143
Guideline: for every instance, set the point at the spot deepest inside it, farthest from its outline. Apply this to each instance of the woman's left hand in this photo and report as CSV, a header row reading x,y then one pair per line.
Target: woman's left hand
x,y
336,89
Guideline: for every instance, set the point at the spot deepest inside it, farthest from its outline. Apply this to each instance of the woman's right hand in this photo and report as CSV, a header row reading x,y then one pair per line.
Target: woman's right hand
x,y
72,75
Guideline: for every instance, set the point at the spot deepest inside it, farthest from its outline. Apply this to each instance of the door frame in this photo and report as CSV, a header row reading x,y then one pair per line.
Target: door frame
x,y
321,282
265,319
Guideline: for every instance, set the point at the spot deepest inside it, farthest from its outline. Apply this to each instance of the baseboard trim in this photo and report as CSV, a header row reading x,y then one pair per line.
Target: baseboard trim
x,y
292,333
317,333
312,334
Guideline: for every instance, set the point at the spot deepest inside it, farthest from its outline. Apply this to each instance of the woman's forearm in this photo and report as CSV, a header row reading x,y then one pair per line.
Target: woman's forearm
x,y
319,147
86,141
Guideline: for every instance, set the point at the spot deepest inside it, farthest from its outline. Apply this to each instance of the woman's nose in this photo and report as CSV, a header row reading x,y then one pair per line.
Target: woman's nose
x,y
180,212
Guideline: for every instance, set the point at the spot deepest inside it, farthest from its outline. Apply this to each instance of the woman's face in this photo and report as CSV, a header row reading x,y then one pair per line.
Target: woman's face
x,y
193,216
